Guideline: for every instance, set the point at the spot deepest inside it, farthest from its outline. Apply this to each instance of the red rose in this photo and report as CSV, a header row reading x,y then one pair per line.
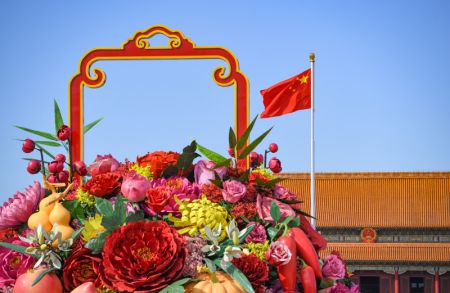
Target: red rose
x,y
143,257
157,198
102,184
256,271
80,267
158,161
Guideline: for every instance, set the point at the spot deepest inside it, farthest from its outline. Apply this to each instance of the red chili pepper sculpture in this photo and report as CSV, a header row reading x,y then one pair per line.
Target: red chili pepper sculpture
x,y
306,250
308,279
287,273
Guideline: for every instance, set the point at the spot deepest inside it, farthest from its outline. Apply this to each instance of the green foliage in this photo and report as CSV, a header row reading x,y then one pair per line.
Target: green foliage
x,y
243,139
75,209
275,212
96,244
41,275
39,133
254,144
58,117
213,156
176,287
232,138
236,274
89,126
18,248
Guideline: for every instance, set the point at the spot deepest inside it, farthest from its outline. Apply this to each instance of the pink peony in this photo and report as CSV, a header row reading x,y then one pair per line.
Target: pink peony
x,y
281,192
333,267
258,234
339,288
179,186
278,253
17,210
204,172
134,187
103,164
13,263
263,207
233,191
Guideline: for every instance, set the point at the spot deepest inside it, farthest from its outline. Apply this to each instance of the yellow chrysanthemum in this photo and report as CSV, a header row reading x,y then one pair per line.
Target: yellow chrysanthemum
x,y
85,197
92,226
143,171
259,249
265,172
197,214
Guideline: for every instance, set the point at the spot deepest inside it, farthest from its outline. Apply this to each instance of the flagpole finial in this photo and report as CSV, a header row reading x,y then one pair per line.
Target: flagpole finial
x,y
312,57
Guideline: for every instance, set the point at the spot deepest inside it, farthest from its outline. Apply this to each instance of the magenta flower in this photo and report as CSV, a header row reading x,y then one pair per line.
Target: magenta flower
x,y
258,234
263,207
134,187
233,191
204,172
103,164
179,186
333,267
355,288
278,253
18,209
13,263
281,192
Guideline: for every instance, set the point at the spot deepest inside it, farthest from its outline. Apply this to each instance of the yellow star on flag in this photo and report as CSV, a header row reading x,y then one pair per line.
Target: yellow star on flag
x,y
303,79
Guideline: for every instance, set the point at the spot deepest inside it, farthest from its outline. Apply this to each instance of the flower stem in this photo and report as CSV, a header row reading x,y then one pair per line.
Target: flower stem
x,y
42,161
70,159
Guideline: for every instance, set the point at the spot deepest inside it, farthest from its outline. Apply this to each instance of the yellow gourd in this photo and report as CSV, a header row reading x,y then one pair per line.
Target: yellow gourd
x,y
59,215
37,218
217,282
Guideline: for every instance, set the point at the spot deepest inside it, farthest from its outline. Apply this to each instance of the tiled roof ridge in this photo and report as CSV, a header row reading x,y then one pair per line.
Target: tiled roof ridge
x,y
369,175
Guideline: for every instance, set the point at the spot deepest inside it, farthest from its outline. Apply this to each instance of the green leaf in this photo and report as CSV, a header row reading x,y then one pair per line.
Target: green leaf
x,y
248,230
302,213
176,287
135,217
96,244
210,264
272,232
75,209
45,151
231,138
291,201
18,248
275,212
41,275
236,274
170,171
58,117
213,156
76,233
48,143
89,126
243,139
39,133
222,164
104,206
287,220
254,144
120,210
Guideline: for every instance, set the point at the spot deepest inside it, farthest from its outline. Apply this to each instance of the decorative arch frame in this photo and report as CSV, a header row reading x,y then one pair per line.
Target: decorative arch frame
x,y
138,48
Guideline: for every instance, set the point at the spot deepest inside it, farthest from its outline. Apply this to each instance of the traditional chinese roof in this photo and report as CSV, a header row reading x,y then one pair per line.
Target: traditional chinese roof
x,y
378,200
382,252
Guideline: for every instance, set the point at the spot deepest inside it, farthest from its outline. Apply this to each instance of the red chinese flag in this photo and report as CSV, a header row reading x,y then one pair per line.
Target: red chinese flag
x,y
288,96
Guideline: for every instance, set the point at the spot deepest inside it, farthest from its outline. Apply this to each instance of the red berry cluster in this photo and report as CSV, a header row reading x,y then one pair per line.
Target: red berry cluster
x,y
257,159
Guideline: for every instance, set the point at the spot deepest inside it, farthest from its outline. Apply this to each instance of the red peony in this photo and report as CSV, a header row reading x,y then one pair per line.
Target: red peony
x,y
143,257
246,209
6,233
80,267
103,184
254,175
158,161
256,271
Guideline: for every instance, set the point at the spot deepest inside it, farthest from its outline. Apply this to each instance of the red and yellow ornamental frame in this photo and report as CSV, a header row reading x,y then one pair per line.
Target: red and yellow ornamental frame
x,y
138,48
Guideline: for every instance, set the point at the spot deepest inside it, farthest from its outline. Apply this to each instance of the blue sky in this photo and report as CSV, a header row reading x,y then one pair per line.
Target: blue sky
x,y
383,96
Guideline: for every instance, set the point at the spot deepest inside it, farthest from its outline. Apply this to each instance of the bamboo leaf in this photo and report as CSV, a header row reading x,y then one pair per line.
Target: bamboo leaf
x,y
91,125
48,143
213,156
58,117
254,144
243,139
39,133
231,138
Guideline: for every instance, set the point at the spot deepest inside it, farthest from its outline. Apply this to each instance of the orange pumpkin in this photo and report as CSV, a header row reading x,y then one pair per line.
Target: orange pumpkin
x,y
220,282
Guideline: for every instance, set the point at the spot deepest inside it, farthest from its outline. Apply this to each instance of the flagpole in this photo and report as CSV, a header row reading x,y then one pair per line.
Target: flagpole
x,y
312,58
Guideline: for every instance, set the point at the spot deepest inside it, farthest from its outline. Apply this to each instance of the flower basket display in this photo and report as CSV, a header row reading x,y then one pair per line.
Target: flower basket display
x,y
188,221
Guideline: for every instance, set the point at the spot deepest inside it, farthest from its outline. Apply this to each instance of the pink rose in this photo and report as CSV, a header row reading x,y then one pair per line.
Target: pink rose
x,y
339,288
263,207
281,192
233,191
278,254
103,164
204,172
258,234
135,186
333,267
